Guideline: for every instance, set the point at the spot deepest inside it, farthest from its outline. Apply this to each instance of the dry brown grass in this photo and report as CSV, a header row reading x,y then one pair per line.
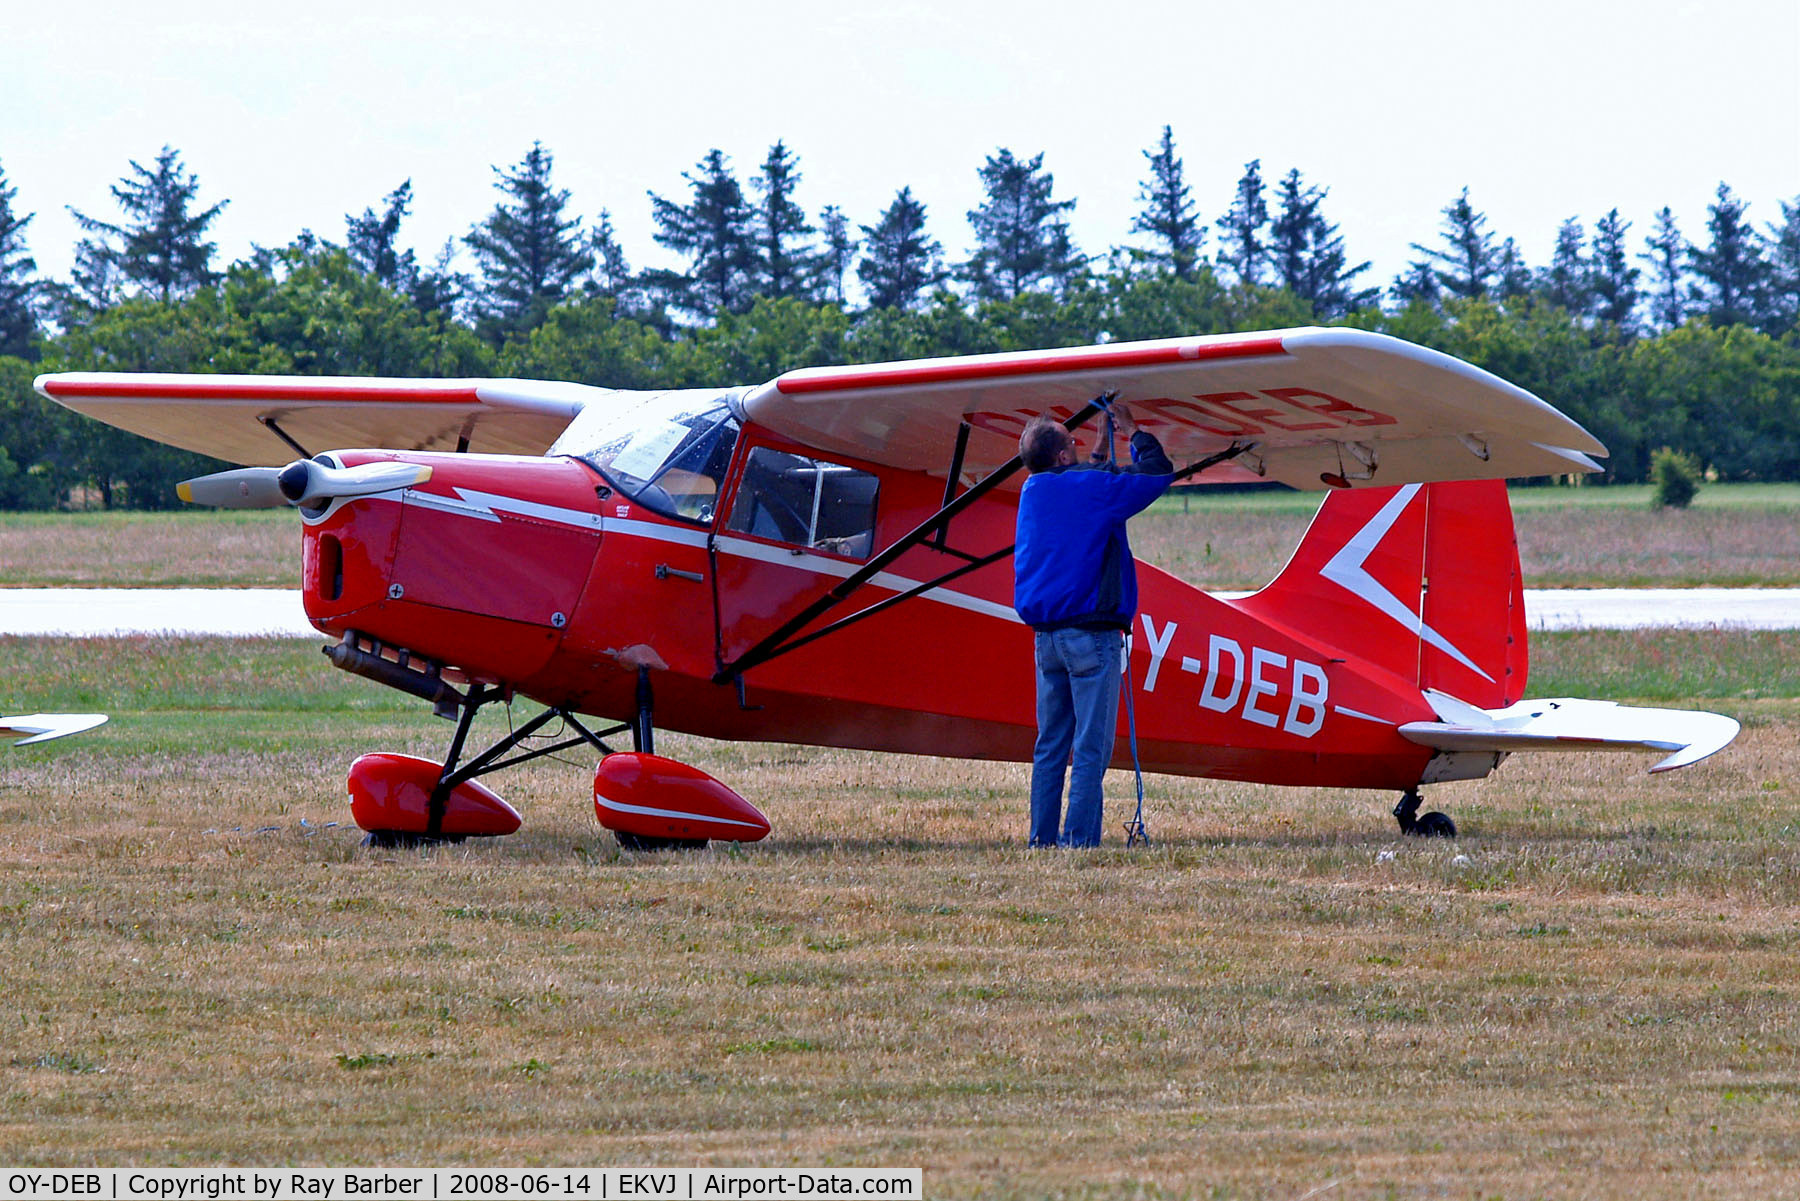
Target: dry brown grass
x,y
190,549
1281,995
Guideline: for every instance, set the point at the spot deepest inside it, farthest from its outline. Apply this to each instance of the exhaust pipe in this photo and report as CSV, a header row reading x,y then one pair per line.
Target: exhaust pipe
x,y
419,677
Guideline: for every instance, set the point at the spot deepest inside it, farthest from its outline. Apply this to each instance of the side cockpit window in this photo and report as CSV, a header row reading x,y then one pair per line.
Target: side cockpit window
x,y
806,502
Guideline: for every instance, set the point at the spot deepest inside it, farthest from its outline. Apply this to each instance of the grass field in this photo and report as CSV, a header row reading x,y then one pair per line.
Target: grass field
x,y
1591,993
1741,535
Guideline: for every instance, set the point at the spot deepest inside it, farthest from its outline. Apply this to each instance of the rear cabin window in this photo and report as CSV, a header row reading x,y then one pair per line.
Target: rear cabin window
x,y
806,502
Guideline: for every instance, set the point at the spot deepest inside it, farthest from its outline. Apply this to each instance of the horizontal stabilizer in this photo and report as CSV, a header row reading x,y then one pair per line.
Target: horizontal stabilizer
x,y
1566,724
28,728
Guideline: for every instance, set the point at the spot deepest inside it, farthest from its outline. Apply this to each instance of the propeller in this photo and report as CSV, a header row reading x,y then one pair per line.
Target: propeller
x,y
244,488
302,482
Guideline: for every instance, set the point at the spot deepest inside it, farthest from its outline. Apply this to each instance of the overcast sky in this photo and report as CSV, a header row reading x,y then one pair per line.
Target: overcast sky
x,y
301,113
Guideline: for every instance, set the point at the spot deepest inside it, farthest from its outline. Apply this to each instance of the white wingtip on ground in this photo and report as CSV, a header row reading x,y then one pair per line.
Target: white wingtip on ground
x,y
28,728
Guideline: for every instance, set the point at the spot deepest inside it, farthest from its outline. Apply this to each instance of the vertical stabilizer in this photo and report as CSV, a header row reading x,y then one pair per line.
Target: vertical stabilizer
x,y
1421,580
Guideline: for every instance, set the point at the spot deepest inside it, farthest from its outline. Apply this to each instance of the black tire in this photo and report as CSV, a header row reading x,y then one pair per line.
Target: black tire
x,y
392,840
643,842
1434,825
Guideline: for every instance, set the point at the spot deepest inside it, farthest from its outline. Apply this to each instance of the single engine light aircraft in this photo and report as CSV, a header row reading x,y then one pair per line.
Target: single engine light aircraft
x,y
823,559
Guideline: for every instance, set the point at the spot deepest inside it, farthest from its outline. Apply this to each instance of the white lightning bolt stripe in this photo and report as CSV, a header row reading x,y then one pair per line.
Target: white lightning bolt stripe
x,y
1346,571
487,506
622,807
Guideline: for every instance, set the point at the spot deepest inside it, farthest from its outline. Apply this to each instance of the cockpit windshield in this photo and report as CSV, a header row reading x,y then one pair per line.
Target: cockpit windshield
x,y
668,453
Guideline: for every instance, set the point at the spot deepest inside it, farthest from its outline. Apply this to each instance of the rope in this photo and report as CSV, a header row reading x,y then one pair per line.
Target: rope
x,y
1135,830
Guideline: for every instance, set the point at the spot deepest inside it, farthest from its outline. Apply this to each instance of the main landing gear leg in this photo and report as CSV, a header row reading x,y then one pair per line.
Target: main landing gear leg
x,y
643,740
1426,825
502,754
440,795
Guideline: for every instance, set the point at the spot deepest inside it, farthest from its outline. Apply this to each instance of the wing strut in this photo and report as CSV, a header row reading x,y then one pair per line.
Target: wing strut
x,y
777,643
932,532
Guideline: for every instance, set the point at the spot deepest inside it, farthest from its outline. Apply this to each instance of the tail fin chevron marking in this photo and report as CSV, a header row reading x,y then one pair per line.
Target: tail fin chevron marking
x,y
1346,570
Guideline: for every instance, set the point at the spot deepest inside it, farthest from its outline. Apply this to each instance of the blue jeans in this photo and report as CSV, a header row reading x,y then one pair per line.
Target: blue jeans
x,y
1077,711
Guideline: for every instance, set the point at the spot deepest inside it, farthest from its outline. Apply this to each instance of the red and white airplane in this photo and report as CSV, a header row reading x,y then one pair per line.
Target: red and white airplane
x,y
823,559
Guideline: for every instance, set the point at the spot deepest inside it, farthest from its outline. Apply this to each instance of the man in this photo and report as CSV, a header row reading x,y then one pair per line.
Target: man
x,y
1075,583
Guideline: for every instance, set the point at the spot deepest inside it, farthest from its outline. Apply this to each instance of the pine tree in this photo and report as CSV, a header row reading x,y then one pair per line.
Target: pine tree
x,y
1565,281
160,246
373,241
1467,266
785,265
1664,251
1731,271
1784,270
1168,214
18,290
1612,280
715,231
900,261
1246,249
611,275
1308,252
1021,235
833,262
1512,278
528,254
1417,285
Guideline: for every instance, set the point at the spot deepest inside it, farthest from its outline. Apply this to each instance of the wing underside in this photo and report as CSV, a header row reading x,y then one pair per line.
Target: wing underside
x,y
237,417
1367,408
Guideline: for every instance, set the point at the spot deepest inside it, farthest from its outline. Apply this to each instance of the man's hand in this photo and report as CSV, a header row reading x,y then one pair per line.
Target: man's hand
x,y
1122,421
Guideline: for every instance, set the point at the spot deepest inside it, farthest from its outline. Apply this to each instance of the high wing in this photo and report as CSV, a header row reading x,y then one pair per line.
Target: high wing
x,y
1357,405
234,417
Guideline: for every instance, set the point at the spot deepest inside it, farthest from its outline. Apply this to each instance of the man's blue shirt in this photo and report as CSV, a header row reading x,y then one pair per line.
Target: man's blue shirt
x,y
1072,564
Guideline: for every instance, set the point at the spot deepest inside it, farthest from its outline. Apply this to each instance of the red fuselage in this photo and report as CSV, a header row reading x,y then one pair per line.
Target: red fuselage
x,y
537,574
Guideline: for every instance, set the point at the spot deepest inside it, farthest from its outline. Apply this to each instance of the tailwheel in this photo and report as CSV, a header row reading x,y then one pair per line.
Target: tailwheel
x,y
1422,825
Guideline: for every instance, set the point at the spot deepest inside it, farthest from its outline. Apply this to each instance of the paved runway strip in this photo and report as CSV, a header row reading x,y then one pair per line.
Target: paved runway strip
x,y
249,612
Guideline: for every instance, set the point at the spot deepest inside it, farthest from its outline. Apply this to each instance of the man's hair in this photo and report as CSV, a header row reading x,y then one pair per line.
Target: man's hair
x,y
1042,442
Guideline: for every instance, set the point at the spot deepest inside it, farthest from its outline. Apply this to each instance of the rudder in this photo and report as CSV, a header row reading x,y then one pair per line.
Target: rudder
x,y
1421,580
